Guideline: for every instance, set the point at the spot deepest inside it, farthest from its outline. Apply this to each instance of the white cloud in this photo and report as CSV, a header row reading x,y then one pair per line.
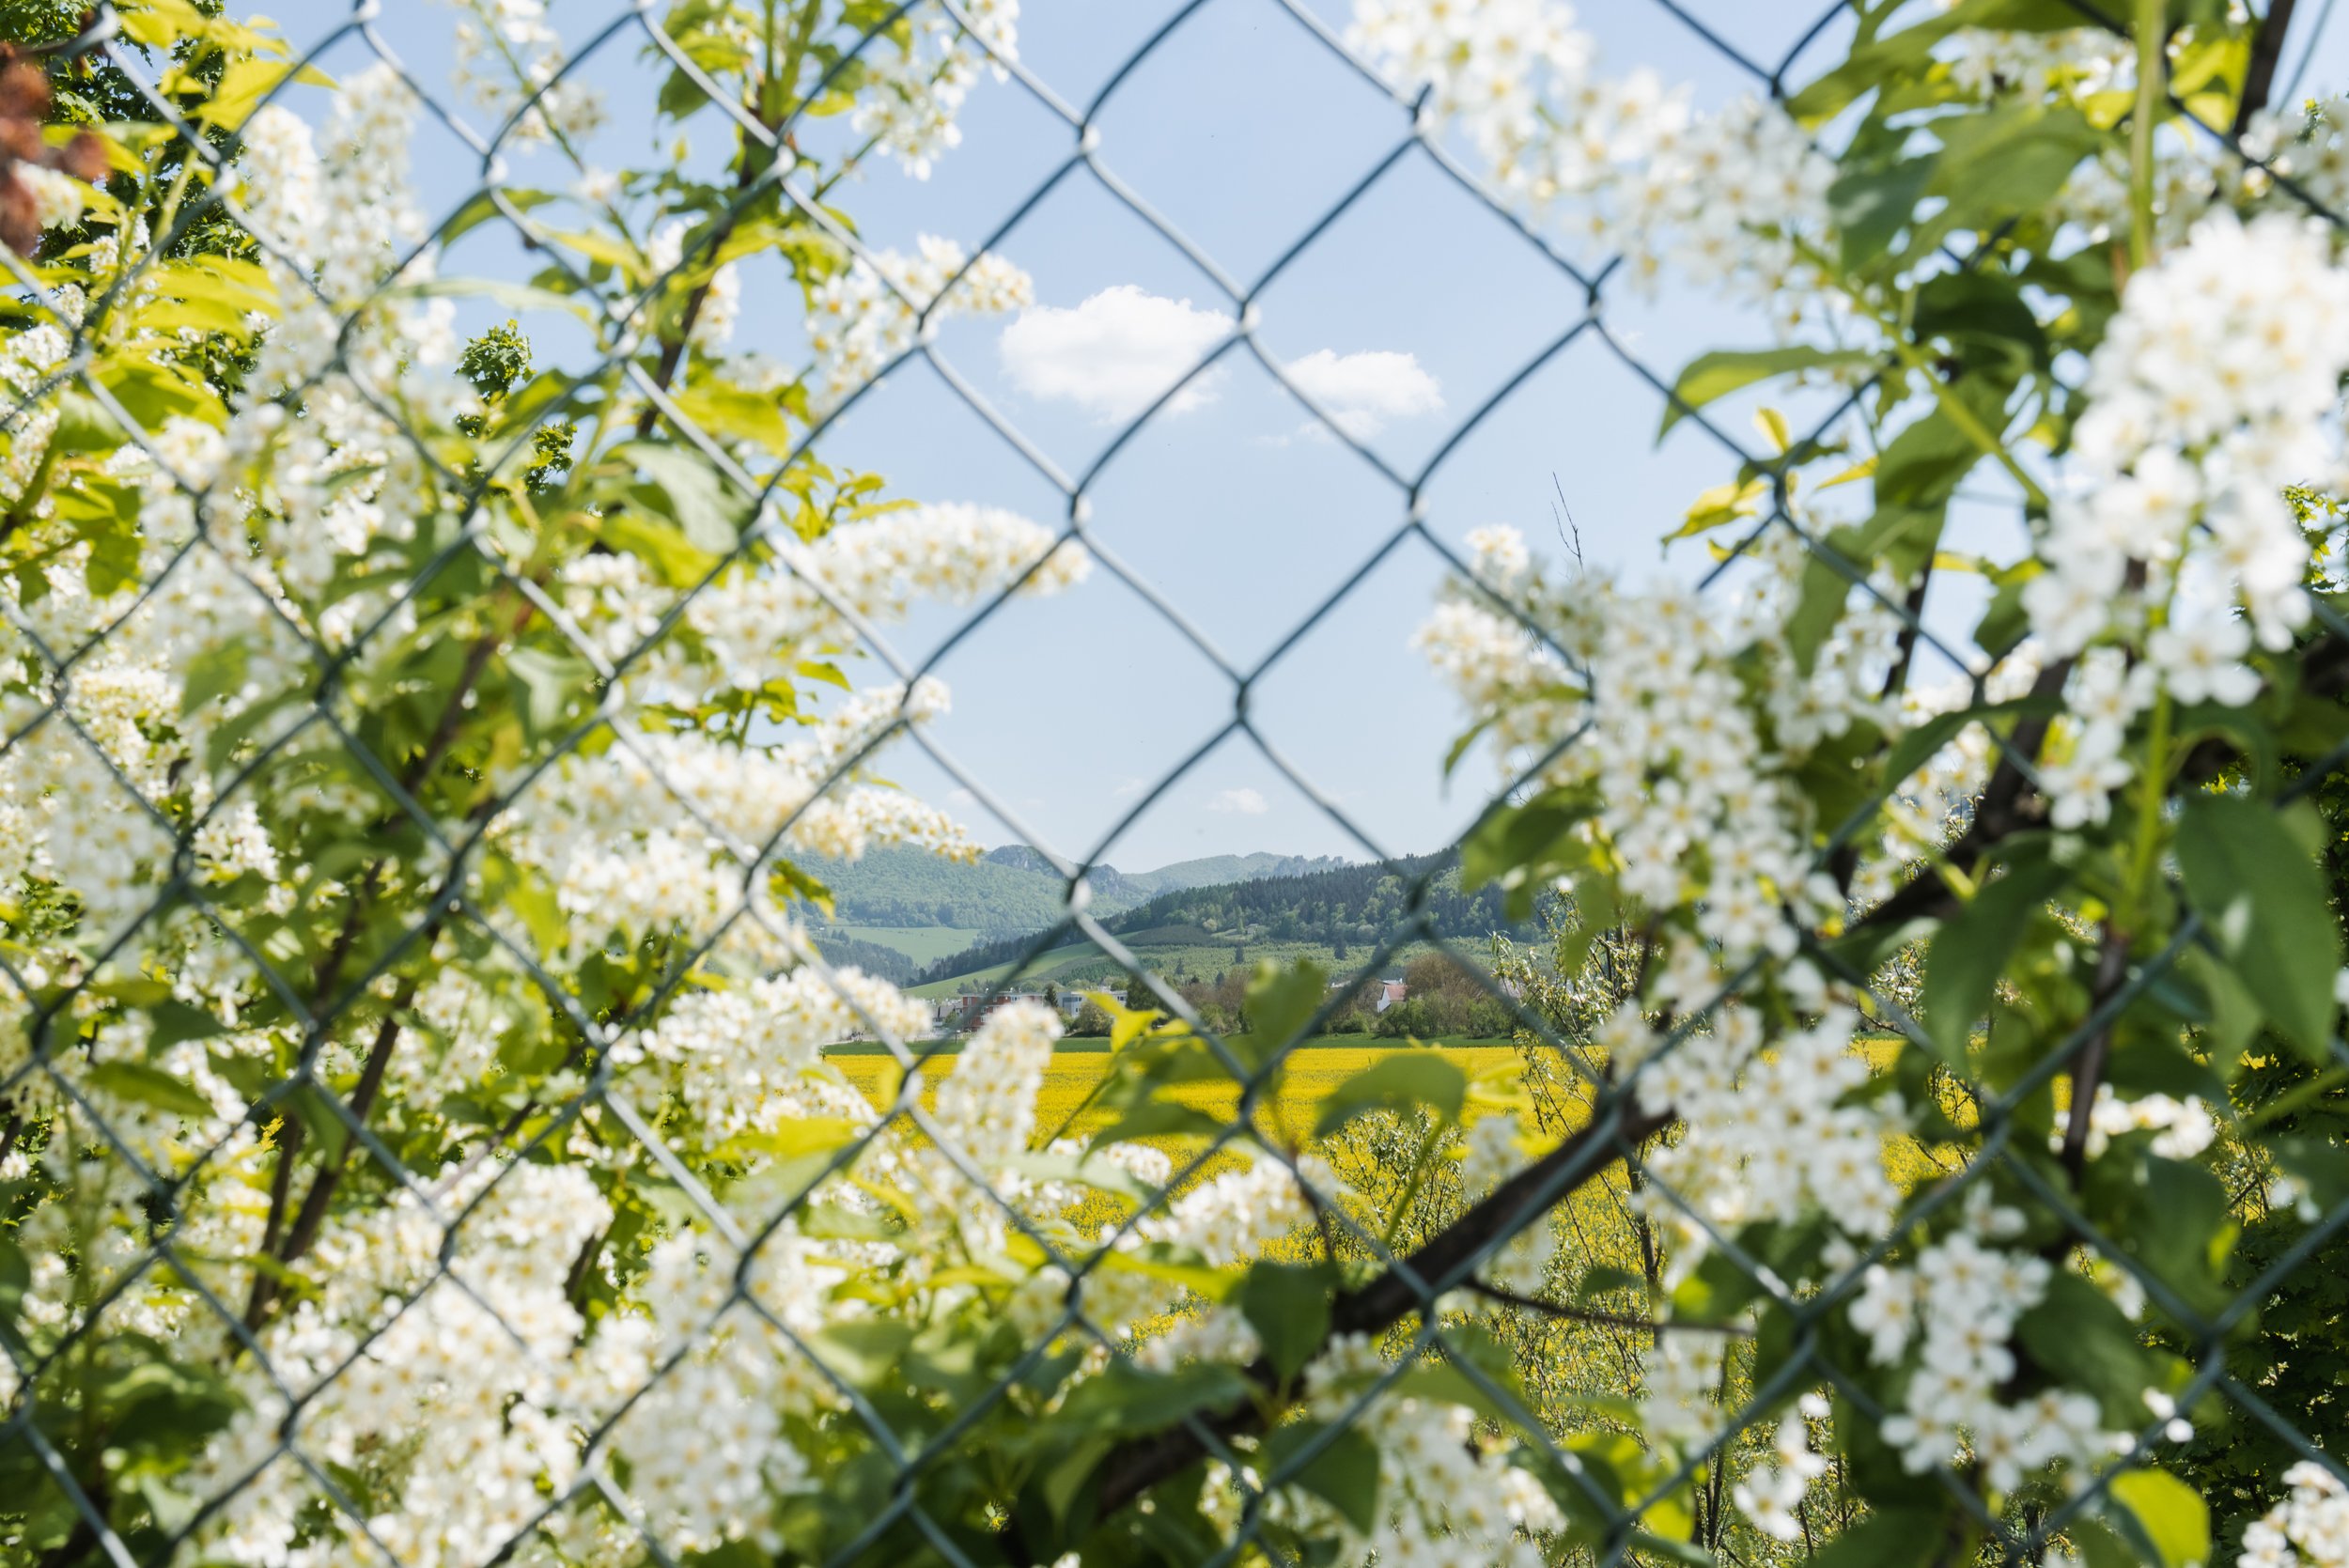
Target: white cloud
x,y
1115,353
1127,788
1240,802
1364,392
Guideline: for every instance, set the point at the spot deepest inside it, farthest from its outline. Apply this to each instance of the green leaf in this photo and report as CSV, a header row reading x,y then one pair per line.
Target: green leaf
x,y
1602,1278
84,425
1282,999
1716,374
1419,1076
514,296
106,514
2320,1165
865,1352
658,543
2076,1327
698,498
2185,1230
2164,1514
1921,466
1288,1306
2008,161
1673,1550
1969,953
1345,1474
1527,847
735,413
16,1277
484,207
1159,1119
2263,899
1980,306
136,1081
1870,207
246,82
1125,1398
549,684
152,393
2004,622
216,672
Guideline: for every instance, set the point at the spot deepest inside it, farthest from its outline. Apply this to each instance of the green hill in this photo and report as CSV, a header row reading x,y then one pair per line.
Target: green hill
x,y
922,907
1005,892
1336,916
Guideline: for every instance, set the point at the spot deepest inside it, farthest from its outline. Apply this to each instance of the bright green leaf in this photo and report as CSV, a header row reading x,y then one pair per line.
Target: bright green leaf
x,y
1716,374
2264,900
1409,1077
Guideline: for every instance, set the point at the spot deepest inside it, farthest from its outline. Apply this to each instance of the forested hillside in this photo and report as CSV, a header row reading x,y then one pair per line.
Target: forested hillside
x,y
1343,908
1014,888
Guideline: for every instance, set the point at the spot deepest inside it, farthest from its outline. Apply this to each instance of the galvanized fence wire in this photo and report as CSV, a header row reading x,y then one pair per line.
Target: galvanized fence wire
x,y
1417,1285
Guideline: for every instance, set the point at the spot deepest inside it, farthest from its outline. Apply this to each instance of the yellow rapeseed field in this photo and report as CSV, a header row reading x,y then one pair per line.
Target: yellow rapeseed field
x,y
1311,1072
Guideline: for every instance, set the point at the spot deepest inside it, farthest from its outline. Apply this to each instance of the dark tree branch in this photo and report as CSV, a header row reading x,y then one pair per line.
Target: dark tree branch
x,y
2268,51
1135,1467
1602,1320
2088,1068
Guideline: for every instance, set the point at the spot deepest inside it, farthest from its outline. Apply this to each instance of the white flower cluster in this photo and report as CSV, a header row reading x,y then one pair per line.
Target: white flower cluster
x,y
1223,1223
346,214
747,1060
2181,1128
1686,763
1932,805
2211,393
1768,1497
1444,1497
58,199
2309,1529
987,1110
1724,197
1960,1302
447,1379
2084,758
508,59
608,829
1768,1135
2067,62
919,70
1690,784
861,318
761,620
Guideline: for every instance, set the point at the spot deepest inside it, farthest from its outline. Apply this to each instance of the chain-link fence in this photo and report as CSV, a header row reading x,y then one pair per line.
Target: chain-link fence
x,y
1404,1295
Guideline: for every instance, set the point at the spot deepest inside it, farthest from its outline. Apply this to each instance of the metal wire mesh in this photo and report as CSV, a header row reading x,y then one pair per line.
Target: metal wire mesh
x,y
1403,1299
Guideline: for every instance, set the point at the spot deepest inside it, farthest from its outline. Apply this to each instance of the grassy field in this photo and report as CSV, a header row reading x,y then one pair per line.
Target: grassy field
x,y
924,945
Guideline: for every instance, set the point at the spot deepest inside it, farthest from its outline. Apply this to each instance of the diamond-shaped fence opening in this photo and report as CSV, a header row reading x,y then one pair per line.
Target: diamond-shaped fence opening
x,y
467,933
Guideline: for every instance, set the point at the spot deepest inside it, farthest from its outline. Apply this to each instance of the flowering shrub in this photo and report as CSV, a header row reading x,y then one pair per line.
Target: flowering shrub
x,y
415,1126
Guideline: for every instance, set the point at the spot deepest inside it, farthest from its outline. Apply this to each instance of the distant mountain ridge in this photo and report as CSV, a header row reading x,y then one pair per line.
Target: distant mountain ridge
x,y
1014,889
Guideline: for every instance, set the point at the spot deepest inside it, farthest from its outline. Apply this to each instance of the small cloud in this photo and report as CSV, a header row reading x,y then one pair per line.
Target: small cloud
x,y
1240,802
1364,392
1115,353
1128,788
961,797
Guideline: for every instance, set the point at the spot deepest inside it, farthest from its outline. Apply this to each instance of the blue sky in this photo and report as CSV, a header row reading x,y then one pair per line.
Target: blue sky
x,y
1240,130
